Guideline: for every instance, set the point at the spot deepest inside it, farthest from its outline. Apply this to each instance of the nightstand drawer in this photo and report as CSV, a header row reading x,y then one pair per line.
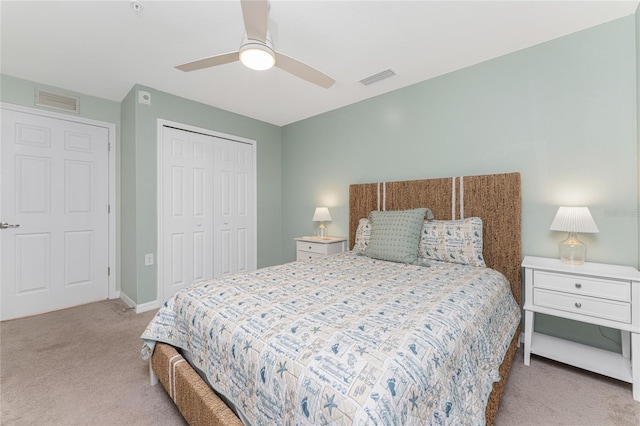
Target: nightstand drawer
x,y
311,247
303,255
575,284
599,308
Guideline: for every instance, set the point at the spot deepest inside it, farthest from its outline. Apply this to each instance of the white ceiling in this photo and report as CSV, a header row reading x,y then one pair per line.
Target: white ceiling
x,y
104,48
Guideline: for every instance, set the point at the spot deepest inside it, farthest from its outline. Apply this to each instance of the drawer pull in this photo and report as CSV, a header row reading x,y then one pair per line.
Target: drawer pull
x,y
309,247
578,285
578,305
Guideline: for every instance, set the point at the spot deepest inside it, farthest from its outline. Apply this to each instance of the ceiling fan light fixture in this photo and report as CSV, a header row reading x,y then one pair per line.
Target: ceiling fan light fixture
x,y
257,56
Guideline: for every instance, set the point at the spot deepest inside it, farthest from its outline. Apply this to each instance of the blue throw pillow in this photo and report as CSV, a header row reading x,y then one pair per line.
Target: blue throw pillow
x,y
395,235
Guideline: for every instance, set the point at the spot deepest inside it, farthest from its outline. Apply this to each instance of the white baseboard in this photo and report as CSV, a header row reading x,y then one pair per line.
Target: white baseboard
x,y
126,299
149,306
144,307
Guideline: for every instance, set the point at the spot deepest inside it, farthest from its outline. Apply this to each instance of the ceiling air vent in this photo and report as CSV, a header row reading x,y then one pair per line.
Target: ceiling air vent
x,y
378,77
57,101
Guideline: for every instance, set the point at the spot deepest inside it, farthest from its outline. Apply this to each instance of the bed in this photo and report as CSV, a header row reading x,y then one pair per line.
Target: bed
x,y
355,338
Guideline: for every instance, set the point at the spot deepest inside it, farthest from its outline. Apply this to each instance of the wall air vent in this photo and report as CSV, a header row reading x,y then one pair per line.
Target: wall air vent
x,y
383,75
57,101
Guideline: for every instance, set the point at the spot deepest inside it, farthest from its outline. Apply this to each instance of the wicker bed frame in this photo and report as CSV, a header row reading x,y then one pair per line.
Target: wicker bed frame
x,y
495,198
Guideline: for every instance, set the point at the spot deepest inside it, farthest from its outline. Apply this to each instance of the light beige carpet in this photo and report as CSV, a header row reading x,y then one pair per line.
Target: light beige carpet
x,y
79,366
82,366
550,393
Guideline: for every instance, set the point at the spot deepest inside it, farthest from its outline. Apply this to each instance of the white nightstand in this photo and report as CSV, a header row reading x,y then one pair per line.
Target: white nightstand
x,y
594,293
312,247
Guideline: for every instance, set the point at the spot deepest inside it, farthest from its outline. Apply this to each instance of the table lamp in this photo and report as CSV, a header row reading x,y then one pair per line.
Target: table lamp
x,y
322,215
573,220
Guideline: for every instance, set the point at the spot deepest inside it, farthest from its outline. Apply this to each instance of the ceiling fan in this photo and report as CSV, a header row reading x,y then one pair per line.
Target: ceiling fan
x,y
257,52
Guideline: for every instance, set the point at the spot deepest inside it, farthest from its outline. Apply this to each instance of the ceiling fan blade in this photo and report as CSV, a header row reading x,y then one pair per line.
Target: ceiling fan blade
x,y
211,61
303,71
255,14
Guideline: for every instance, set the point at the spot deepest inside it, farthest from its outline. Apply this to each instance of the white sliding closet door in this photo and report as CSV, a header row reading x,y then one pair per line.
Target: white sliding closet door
x,y
207,212
187,181
233,184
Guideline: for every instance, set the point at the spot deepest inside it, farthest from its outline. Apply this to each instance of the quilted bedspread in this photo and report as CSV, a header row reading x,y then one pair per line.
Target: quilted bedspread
x,y
346,339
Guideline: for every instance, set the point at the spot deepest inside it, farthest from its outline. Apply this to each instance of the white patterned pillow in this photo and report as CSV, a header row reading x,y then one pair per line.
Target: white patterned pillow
x,y
363,233
395,235
454,241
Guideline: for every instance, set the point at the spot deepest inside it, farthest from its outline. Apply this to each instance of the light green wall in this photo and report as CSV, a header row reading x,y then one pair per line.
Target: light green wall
x,y
142,170
127,171
22,92
562,113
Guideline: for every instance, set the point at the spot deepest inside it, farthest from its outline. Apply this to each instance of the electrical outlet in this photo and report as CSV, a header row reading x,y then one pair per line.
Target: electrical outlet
x,y
148,259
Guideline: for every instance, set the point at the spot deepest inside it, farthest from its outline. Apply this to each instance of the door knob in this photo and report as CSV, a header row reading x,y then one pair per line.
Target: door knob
x,y
4,225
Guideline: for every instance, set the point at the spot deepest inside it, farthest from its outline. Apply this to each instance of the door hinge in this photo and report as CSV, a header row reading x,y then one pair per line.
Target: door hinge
x,y
108,146
108,271
108,208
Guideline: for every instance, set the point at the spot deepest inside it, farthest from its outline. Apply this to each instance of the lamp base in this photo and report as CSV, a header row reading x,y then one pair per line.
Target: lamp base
x,y
572,250
322,231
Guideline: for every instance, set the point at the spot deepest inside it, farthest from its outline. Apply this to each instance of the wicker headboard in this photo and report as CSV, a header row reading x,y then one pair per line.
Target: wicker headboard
x,y
494,198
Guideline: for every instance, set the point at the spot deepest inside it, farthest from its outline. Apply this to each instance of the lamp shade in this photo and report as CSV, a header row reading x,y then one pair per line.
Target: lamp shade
x,y
574,219
321,215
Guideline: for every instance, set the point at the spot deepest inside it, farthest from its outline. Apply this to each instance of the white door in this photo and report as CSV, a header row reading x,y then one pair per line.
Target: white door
x,y
187,182
233,214
207,217
55,187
